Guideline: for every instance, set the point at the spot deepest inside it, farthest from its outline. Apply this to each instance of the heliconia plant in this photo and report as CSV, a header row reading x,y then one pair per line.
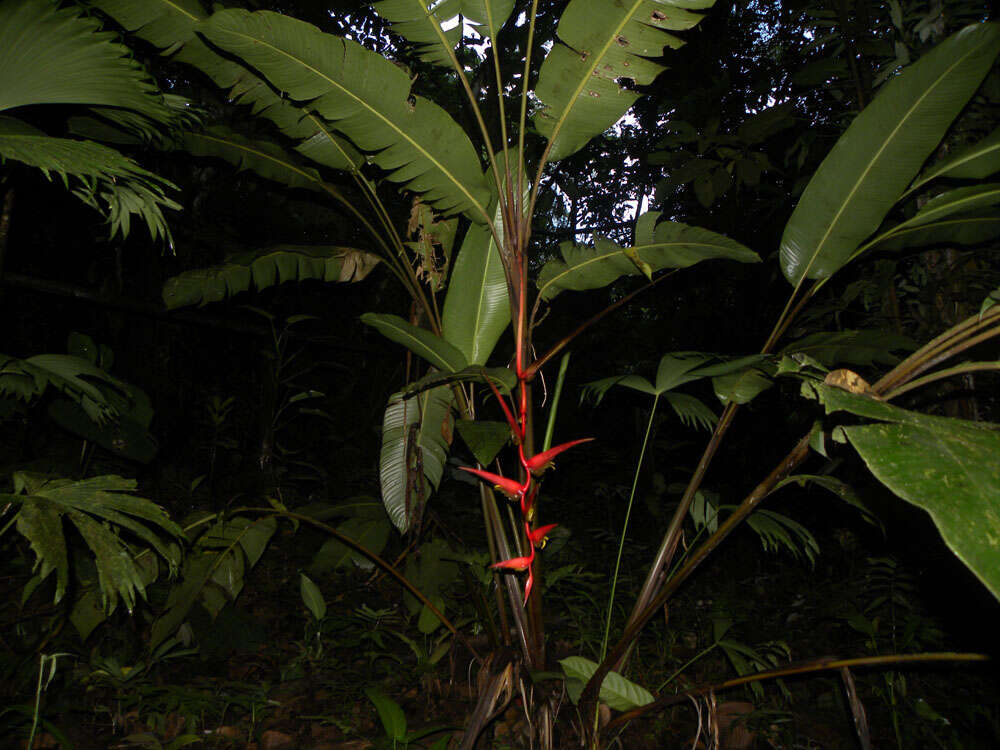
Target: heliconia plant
x,y
339,106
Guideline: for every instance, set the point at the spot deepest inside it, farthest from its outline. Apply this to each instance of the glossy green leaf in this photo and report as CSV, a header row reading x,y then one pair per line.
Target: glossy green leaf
x,y
265,268
50,55
477,308
389,712
741,387
959,230
369,100
419,21
416,436
370,531
974,162
620,694
863,348
312,597
600,42
876,158
435,350
667,245
948,467
485,439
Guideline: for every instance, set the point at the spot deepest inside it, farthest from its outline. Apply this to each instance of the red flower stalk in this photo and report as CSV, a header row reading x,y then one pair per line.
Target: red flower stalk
x,y
509,487
514,426
542,461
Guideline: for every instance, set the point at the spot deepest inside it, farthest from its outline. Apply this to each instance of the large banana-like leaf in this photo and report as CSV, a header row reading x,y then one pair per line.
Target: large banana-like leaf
x,y
419,21
170,25
974,162
668,245
369,100
477,307
948,467
600,43
53,56
266,268
416,435
434,349
965,200
267,159
876,158
100,508
958,230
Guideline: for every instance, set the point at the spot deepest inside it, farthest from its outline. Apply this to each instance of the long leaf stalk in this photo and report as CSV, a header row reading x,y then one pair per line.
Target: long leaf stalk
x,y
789,670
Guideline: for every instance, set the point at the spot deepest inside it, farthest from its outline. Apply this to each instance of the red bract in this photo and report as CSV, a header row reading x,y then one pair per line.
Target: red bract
x,y
509,487
514,426
515,563
542,461
537,536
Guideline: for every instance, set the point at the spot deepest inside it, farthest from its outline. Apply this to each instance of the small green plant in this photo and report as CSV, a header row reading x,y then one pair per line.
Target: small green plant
x,y
394,725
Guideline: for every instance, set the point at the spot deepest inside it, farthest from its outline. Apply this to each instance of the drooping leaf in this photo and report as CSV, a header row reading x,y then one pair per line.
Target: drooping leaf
x,y
367,98
368,529
741,387
265,268
948,467
390,713
484,438
267,159
312,597
438,352
876,158
601,42
416,436
974,162
958,230
502,377
620,694
864,348
104,179
667,245
691,411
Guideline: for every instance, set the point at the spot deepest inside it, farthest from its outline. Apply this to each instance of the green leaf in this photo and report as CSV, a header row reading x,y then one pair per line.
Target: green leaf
x,y
476,308
485,439
416,435
264,158
620,694
392,716
667,245
371,532
839,488
962,230
600,42
105,179
741,387
265,268
502,377
50,55
864,348
691,411
879,154
312,597
991,299
948,467
100,508
367,98
438,352
960,200
974,162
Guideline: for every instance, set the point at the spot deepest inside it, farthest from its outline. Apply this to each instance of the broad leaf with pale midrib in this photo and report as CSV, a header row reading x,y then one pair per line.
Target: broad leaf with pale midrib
x,y
265,268
667,245
369,100
601,42
872,163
